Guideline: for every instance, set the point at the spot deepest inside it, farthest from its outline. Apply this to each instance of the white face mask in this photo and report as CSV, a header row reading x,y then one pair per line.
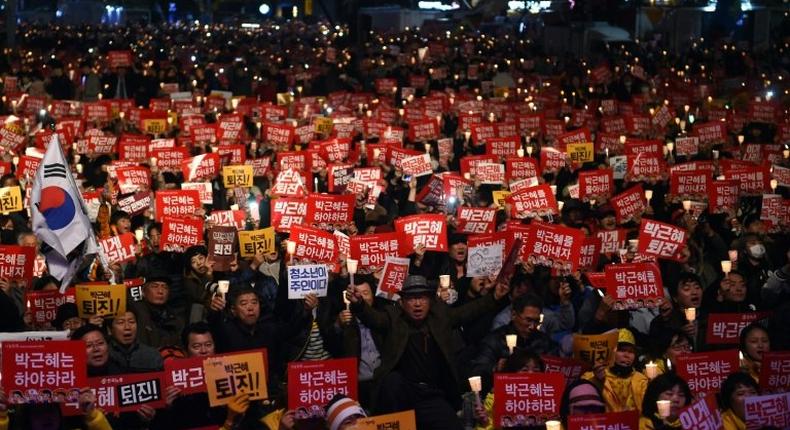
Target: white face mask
x,y
757,251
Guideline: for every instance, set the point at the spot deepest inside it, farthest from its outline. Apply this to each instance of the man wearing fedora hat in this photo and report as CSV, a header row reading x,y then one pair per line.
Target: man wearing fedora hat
x,y
417,368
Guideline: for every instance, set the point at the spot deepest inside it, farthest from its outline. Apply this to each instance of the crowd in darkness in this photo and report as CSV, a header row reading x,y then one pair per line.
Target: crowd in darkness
x,y
415,350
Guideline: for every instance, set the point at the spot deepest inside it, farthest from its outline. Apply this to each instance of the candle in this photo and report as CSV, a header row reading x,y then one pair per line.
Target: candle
x,y
234,207
726,266
15,160
529,150
291,247
691,314
346,301
476,383
715,154
774,184
138,234
553,189
686,205
560,205
633,243
444,281
351,265
741,359
427,148
663,408
511,340
79,168
222,287
553,425
520,152
651,370
733,255
153,161
740,139
648,195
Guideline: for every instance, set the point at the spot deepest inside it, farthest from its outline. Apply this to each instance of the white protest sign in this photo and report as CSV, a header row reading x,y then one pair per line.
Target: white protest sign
x,y
484,260
307,278
34,335
619,165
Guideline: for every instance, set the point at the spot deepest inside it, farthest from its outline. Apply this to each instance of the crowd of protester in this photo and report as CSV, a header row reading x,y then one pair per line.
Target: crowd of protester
x,y
416,352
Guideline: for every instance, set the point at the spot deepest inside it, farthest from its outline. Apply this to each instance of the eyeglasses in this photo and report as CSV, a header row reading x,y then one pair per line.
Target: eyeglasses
x,y
681,347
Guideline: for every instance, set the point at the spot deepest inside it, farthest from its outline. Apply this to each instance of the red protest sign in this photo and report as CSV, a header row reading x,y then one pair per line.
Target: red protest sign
x,y
686,146
475,220
689,185
503,146
490,173
176,203
133,148
168,159
372,250
133,179
315,383
711,133
119,59
634,285
33,366
16,262
629,204
330,209
201,167
645,167
590,253
533,201
185,374
628,420
723,196
291,183
611,240
770,411
704,371
751,179
119,249
470,162
423,130
43,305
222,246
725,328
775,371
228,218
660,239
395,272
702,414
281,135
178,234
313,244
554,246
136,203
526,397
551,159
571,368
287,212
428,230
596,185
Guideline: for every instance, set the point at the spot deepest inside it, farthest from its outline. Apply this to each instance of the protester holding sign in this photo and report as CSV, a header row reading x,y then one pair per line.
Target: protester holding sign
x,y
623,387
669,388
734,391
754,342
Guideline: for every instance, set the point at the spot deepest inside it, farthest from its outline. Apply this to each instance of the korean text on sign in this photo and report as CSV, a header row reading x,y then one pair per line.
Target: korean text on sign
x,y
524,396
32,366
317,382
306,279
228,375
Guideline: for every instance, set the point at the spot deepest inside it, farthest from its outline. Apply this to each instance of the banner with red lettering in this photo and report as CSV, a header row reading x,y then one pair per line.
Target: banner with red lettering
x,y
475,220
428,230
43,305
312,384
179,233
313,244
634,285
526,398
372,250
119,249
554,245
533,202
660,239
286,212
770,411
329,210
43,371
395,271
629,204
596,185
628,420
417,165
176,203
702,414
775,372
228,218
704,371
725,328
